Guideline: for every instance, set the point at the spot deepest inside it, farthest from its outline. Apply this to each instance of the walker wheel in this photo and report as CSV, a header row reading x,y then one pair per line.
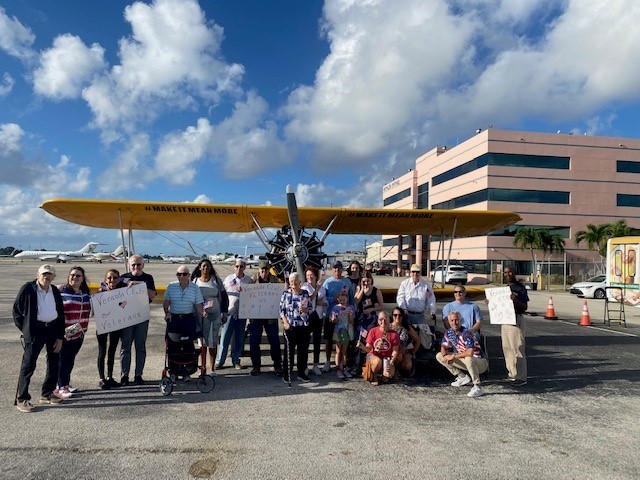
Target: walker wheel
x,y
166,386
205,383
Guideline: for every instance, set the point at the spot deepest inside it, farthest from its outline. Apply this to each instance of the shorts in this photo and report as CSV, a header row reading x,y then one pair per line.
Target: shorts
x,y
329,327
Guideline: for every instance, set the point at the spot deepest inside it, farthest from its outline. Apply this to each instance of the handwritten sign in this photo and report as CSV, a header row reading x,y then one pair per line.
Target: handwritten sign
x,y
501,311
120,308
260,300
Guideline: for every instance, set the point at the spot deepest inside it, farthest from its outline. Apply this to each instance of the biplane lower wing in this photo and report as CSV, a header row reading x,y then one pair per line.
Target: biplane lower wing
x,y
202,217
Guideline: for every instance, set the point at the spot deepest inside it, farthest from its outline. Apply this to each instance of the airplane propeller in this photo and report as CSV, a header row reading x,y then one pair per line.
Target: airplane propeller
x,y
291,247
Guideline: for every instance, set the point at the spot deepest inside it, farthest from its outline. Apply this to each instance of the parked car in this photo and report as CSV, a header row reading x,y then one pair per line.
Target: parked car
x,y
455,274
592,288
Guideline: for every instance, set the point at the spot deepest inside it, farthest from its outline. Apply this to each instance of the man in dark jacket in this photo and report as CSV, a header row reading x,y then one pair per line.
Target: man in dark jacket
x,y
39,314
257,325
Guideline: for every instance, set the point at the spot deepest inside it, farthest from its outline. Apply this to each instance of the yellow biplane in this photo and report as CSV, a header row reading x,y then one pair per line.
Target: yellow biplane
x,y
291,248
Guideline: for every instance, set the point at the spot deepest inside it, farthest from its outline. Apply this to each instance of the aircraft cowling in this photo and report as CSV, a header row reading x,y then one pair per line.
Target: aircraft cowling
x,y
281,255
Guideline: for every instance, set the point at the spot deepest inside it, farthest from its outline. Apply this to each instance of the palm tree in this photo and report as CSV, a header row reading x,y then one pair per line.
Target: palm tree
x,y
619,229
532,239
551,242
596,237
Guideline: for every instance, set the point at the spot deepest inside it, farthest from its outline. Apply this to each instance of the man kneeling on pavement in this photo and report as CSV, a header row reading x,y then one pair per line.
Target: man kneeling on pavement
x,y
460,353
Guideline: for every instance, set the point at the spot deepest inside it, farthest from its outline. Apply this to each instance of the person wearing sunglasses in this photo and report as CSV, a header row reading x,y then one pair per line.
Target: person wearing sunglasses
x,y
136,334
39,315
77,309
182,302
469,311
108,342
234,327
409,341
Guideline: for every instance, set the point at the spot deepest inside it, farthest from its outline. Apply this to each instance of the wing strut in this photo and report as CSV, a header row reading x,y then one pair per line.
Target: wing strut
x,y
326,230
124,250
453,234
260,232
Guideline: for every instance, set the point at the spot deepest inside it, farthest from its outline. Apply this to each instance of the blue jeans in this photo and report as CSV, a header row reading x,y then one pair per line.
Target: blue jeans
x,y
234,327
70,349
135,334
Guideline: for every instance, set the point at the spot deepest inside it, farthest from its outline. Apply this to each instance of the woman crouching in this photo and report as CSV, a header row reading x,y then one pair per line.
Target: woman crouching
x,y
382,350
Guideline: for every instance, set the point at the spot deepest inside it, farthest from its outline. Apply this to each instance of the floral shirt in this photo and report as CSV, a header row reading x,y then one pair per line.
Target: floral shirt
x,y
290,304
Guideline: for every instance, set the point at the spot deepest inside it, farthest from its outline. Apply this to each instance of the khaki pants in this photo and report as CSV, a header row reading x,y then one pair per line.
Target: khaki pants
x,y
513,347
475,366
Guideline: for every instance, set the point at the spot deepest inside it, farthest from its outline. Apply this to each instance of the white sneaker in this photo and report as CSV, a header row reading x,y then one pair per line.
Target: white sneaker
x,y
327,367
72,389
347,373
340,374
62,393
316,370
461,380
476,391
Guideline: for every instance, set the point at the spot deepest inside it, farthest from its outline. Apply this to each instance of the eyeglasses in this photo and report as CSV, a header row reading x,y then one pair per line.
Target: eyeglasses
x,y
396,315
75,275
415,273
136,264
239,266
182,274
458,292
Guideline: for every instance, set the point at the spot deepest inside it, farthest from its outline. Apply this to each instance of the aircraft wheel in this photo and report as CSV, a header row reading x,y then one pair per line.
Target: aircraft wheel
x,y
205,383
166,386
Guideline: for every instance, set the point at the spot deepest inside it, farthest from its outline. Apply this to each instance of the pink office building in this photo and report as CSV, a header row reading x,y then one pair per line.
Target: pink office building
x,y
559,181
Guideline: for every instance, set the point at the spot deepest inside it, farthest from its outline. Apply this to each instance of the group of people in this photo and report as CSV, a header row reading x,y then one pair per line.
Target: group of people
x,y
347,312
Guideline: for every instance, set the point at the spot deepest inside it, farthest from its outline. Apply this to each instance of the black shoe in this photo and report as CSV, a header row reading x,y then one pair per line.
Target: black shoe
x,y
104,384
255,372
285,379
518,383
112,383
303,377
137,380
124,381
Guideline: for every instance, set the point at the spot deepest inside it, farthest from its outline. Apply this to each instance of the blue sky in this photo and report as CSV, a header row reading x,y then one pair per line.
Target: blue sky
x,y
229,101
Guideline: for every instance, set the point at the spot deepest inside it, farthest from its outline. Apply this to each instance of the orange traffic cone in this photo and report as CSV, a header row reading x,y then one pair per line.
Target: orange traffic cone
x,y
551,313
586,319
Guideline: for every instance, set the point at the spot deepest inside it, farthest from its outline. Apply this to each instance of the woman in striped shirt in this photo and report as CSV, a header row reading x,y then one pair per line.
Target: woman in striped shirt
x,y
77,308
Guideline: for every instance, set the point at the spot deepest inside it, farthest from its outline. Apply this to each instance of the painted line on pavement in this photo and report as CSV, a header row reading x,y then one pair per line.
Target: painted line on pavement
x,y
600,328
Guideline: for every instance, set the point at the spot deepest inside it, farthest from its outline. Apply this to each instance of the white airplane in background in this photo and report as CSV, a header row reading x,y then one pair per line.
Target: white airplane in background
x,y
171,259
250,260
115,255
59,255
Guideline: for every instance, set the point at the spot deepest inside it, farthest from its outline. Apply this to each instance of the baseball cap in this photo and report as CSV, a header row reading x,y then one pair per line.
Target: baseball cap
x,y
263,264
46,268
416,268
337,264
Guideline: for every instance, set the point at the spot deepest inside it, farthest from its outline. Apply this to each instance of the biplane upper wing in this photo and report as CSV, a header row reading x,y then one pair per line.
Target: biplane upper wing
x,y
240,218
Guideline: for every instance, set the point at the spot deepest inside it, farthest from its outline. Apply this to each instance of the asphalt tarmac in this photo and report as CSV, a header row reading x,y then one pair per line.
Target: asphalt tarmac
x,y
576,418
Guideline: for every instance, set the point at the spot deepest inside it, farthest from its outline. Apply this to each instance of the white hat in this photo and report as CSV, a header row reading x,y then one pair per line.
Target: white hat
x,y
46,268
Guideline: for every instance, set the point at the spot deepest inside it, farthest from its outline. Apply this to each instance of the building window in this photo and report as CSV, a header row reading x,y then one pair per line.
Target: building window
x,y
393,241
511,230
628,167
625,200
504,195
503,160
423,196
397,197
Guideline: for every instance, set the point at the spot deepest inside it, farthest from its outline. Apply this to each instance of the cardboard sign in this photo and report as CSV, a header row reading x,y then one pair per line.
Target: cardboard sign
x,y
120,308
260,300
501,309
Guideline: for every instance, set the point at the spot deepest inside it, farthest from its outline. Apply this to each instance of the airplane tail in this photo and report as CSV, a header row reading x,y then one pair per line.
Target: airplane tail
x,y
118,251
89,247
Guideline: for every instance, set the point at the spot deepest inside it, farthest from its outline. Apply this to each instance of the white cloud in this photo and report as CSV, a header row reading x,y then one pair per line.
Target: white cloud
x,y
176,159
7,84
129,169
385,57
67,67
62,179
319,194
171,60
247,141
15,39
202,198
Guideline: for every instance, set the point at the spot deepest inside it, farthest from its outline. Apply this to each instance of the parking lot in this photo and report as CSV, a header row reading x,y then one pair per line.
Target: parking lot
x,y
577,417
